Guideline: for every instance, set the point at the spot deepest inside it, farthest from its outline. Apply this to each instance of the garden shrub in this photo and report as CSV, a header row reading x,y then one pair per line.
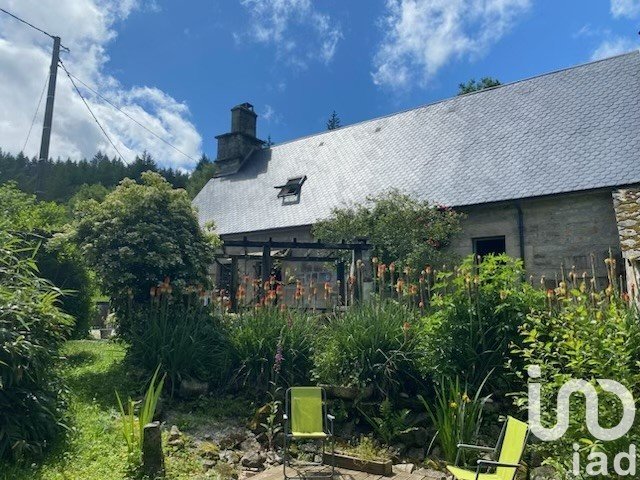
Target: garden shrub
x,y
182,336
138,235
368,345
32,328
475,315
271,346
583,335
402,229
58,259
61,262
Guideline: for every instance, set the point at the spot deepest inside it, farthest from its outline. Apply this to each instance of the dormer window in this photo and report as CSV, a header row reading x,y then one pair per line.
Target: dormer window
x,y
291,188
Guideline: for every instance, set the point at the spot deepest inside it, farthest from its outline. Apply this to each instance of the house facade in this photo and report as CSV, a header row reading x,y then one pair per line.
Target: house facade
x,y
541,167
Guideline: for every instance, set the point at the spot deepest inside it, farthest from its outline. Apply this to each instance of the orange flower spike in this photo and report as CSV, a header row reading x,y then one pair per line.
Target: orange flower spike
x,y
392,267
406,326
152,291
399,286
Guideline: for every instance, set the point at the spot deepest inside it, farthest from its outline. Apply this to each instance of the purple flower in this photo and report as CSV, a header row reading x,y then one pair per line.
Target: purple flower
x,y
278,358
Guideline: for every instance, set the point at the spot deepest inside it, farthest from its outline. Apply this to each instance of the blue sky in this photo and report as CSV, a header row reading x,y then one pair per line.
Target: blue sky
x,y
180,66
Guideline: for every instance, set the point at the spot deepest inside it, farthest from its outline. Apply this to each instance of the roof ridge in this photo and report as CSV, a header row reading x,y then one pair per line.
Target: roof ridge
x,y
456,97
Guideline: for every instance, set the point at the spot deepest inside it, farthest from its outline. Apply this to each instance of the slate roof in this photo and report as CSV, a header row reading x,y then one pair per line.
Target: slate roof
x,y
570,130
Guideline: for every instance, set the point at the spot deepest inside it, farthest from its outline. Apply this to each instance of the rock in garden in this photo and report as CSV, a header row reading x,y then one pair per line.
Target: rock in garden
x,y
416,454
246,474
273,458
174,433
431,474
192,388
250,444
545,472
404,468
208,464
253,460
232,438
230,456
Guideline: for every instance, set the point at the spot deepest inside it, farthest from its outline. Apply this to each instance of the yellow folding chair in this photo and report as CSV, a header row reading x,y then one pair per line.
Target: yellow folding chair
x,y
511,446
306,417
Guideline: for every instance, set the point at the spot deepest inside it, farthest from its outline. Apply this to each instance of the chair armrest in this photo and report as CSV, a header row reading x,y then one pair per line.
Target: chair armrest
x,y
482,448
331,418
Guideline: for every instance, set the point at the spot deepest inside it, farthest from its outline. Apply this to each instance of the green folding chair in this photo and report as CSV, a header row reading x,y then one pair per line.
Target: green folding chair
x,y
306,417
511,447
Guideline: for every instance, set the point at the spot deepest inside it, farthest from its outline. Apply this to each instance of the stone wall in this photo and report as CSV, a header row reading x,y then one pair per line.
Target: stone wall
x,y
567,230
559,230
627,208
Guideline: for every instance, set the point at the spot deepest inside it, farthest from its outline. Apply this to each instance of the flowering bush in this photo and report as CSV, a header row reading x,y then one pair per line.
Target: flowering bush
x,y
402,229
582,334
475,312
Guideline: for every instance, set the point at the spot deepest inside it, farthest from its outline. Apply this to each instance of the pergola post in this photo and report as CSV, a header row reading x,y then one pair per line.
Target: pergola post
x,y
357,259
342,292
266,263
233,287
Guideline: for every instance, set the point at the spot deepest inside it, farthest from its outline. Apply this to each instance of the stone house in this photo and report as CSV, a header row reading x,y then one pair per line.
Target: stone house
x,y
535,164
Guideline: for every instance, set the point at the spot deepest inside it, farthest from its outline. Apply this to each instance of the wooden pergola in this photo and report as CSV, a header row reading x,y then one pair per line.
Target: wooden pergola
x,y
262,250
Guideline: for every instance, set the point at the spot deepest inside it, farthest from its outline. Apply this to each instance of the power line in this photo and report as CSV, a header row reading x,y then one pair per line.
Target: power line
x,y
35,114
132,119
32,26
91,112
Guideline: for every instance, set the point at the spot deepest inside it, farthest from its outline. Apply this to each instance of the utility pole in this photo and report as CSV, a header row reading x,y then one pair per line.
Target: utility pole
x,y
48,112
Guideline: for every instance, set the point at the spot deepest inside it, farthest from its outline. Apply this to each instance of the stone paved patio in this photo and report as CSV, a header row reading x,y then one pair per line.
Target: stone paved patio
x,y
275,473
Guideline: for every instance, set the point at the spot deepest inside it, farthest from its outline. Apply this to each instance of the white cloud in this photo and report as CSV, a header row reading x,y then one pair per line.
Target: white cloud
x,y
281,22
625,8
614,46
422,36
86,28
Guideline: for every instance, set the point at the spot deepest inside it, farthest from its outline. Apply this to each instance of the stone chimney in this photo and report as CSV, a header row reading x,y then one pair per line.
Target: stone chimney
x,y
235,147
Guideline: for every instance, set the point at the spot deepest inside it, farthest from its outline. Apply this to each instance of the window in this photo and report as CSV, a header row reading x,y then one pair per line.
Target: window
x,y
487,245
291,188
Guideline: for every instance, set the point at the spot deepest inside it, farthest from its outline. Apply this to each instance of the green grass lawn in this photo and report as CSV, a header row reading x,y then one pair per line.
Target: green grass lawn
x,y
94,449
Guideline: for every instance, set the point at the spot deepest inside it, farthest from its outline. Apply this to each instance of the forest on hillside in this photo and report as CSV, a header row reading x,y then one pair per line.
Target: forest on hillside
x,y
61,180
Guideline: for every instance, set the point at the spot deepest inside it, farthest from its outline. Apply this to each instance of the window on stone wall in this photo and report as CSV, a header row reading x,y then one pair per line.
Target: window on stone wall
x,y
487,245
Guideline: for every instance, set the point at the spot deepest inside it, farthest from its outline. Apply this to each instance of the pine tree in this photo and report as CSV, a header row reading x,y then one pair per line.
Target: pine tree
x,y
334,121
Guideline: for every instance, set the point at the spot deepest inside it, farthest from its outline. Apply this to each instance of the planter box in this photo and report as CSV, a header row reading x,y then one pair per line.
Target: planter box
x,y
375,467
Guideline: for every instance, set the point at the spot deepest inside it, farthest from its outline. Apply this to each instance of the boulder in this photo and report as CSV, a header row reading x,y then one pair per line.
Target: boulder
x,y
192,388
545,472
233,438
431,474
208,465
174,433
253,460
273,458
230,457
250,444
416,454
403,468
